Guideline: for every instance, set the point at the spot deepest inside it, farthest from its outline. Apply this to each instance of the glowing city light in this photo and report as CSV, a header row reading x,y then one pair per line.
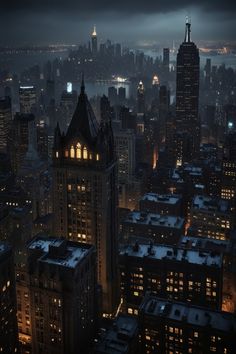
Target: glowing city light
x,y
69,87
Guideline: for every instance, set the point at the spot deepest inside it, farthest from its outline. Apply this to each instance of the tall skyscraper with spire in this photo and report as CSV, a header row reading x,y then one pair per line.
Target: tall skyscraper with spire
x,y
94,41
140,98
85,192
187,135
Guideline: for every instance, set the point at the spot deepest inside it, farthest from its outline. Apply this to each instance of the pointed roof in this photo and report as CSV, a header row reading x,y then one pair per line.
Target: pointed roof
x,y
83,123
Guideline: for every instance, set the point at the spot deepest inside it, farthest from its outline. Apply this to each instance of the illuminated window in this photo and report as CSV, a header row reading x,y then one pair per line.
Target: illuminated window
x,y
97,157
57,154
85,153
66,153
72,152
78,151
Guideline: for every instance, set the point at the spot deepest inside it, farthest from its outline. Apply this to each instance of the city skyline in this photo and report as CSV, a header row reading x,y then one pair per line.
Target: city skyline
x,y
117,185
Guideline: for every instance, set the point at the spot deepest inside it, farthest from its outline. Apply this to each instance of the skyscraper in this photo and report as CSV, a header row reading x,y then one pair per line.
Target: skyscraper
x,y
85,192
187,97
94,41
22,126
5,121
166,59
140,98
27,96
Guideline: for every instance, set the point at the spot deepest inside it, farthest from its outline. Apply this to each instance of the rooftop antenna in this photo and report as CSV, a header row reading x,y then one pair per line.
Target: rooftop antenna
x,y
188,30
94,31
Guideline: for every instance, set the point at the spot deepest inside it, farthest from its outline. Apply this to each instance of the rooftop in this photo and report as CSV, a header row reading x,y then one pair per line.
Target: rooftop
x,y
58,251
193,315
161,252
210,204
137,217
117,338
192,242
161,198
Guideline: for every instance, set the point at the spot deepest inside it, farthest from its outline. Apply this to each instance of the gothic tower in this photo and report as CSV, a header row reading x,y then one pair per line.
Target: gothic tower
x,y
85,192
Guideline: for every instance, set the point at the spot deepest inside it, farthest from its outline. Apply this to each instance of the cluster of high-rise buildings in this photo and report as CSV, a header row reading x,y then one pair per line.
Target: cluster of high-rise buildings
x,y
118,214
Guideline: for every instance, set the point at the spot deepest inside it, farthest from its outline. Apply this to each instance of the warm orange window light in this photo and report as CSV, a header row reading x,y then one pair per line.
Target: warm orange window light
x,y
78,151
85,153
72,152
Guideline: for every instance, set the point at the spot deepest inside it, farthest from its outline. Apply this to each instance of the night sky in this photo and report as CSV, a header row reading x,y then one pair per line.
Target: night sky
x,y
71,21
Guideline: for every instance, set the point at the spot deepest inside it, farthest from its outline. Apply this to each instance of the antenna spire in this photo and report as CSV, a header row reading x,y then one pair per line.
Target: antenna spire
x,y
94,33
188,30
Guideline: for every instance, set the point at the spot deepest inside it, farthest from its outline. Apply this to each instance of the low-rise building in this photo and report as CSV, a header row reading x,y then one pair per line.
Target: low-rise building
x,y
167,204
165,229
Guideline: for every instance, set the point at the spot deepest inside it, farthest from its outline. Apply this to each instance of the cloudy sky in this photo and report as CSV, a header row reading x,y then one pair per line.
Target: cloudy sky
x,y
139,21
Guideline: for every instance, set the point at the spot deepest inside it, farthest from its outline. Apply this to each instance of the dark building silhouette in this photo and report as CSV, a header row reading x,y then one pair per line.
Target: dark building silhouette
x,y
8,322
141,98
5,122
208,73
85,192
21,129
166,59
187,96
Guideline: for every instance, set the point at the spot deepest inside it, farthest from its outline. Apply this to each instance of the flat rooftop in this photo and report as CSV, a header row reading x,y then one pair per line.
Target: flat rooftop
x,y
209,244
161,198
117,338
193,315
143,218
210,204
60,252
161,252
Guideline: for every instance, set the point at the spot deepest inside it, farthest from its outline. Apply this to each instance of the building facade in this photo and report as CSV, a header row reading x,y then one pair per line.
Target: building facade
x,y
172,273
173,327
85,192
62,291
8,322
187,137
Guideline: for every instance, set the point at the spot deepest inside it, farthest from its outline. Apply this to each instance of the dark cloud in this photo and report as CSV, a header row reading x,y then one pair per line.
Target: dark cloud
x,y
44,21
120,6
